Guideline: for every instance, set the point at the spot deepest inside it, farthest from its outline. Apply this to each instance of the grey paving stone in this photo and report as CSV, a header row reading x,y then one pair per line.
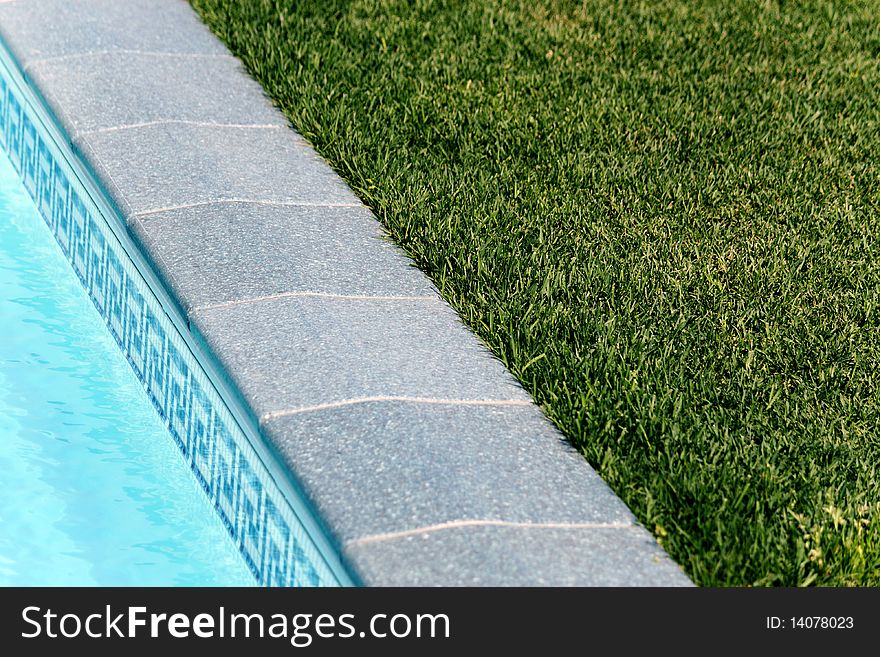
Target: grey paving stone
x,y
219,253
39,29
107,90
297,352
506,556
409,465
168,165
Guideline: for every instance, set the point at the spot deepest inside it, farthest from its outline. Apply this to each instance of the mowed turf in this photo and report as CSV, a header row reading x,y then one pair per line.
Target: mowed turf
x,y
664,217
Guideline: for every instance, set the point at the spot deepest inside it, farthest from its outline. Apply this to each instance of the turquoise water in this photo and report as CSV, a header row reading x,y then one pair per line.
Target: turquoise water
x,y
93,489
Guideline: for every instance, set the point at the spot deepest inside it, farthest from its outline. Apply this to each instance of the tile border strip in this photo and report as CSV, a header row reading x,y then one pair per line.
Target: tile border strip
x,y
279,535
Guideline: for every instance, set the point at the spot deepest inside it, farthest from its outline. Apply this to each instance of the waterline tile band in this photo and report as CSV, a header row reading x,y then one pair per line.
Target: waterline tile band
x,y
276,531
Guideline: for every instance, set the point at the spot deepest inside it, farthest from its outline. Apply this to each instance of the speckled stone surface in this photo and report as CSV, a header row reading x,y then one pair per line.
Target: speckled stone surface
x,y
42,29
280,249
168,165
299,352
427,461
108,91
405,465
528,556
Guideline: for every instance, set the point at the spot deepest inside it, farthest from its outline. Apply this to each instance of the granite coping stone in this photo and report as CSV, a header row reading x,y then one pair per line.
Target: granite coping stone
x,y
281,249
169,165
113,90
531,556
427,460
42,29
299,352
410,465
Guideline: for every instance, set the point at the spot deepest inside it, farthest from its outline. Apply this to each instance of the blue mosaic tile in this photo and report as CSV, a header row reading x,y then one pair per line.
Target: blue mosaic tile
x,y
260,519
97,266
276,547
115,308
13,130
250,508
60,193
29,158
79,225
3,87
226,484
201,454
133,331
44,180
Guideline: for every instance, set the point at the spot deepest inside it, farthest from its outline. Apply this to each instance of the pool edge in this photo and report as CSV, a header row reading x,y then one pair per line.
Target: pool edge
x,y
48,128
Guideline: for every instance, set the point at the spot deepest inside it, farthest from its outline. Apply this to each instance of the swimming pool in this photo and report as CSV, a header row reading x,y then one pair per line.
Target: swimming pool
x,y
271,523
101,495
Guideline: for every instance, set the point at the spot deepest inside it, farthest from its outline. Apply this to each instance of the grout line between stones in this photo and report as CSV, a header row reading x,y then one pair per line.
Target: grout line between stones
x,y
321,295
393,398
456,524
123,51
201,124
221,201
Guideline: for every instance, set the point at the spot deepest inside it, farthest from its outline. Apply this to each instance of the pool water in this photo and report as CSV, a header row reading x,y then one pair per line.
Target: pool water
x,y
93,489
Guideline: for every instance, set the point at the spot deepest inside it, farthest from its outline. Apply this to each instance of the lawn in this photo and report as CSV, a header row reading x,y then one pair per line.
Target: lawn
x,y
664,217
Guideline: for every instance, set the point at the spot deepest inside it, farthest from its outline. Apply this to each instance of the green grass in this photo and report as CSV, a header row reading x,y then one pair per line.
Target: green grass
x,y
662,216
